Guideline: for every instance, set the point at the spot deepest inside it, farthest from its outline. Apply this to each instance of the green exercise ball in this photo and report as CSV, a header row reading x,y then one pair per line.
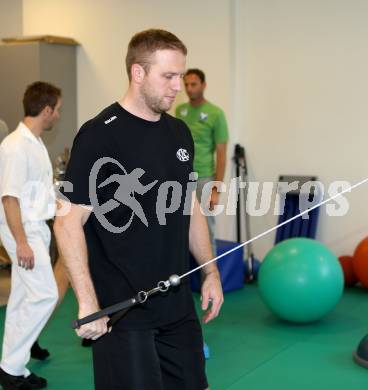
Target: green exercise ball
x,y
300,280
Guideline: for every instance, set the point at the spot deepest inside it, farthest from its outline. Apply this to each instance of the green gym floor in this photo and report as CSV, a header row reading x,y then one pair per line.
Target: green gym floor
x,y
250,348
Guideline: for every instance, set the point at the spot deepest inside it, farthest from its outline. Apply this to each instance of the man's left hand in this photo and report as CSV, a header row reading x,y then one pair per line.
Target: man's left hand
x,y
212,296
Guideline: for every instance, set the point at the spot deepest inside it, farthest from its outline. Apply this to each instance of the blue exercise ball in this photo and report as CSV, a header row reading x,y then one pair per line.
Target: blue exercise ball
x,y
300,280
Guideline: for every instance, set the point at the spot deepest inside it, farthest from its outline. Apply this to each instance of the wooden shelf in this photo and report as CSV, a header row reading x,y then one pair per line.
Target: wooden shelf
x,y
53,39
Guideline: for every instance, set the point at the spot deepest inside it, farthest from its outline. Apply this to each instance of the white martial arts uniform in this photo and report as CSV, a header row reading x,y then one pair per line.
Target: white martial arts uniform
x,y
4,131
26,173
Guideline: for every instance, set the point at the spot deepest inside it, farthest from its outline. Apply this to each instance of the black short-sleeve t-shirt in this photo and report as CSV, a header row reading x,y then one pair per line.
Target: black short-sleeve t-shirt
x,y
137,176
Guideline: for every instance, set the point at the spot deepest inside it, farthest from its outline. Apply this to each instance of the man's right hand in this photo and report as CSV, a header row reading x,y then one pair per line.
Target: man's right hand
x,y
94,329
25,256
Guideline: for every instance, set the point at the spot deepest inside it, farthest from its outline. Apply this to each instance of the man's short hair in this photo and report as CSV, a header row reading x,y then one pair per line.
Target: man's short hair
x,y
145,43
197,72
39,95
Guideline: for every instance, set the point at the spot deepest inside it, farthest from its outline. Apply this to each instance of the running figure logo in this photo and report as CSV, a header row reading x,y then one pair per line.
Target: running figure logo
x,y
129,184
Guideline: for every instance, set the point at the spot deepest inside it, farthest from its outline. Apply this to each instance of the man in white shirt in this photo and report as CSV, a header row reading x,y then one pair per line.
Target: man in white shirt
x,y
4,130
27,201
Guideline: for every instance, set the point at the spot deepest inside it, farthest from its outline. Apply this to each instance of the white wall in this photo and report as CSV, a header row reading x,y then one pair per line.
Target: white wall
x,y
290,75
301,101
104,29
11,23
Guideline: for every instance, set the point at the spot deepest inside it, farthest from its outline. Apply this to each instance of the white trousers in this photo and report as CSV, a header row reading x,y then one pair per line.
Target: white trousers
x,y
32,299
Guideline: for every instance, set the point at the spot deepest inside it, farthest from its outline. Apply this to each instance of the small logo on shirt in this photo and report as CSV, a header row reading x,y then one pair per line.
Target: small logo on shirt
x,y
203,116
184,112
110,120
182,155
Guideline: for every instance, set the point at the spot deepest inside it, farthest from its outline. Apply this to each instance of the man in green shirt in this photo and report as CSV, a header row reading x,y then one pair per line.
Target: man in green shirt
x,y
208,126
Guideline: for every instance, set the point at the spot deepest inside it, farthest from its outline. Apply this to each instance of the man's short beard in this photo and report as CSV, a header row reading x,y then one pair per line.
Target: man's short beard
x,y
153,102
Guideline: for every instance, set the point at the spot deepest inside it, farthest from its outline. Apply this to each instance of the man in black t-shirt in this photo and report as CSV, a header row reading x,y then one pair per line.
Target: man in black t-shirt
x,y
129,222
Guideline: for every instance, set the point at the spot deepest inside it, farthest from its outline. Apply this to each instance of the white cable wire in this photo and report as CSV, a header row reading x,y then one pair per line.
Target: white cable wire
x,y
274,228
